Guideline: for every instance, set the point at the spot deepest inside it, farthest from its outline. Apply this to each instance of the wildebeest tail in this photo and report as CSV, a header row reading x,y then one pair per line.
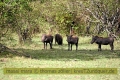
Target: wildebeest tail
x,y
60,42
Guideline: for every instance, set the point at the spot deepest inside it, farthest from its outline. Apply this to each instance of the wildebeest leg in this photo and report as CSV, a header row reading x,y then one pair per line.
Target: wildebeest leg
x,y
99,47
71,47
50,45
46,45
76,47
68,46
112,46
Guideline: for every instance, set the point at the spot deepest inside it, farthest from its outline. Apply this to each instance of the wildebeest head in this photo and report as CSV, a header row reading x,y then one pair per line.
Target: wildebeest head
x,y
43,38
69,38
112,35
72,39
47,38
94,38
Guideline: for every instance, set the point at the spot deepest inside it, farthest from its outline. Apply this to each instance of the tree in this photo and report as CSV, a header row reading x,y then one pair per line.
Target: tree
x,y
11,16
12,13
104,13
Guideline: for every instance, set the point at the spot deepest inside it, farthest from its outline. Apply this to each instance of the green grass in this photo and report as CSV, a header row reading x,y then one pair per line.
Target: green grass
x,y
87,56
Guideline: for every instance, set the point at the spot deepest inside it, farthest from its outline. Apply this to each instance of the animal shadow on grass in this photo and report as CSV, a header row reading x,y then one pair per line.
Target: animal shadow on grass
x,y
59,54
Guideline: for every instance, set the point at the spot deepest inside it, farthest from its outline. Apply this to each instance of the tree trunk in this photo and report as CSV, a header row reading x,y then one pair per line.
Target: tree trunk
x,y
19,36
12,51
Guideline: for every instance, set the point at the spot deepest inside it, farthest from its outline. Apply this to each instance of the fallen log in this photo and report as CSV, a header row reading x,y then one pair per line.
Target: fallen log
x,y
4,48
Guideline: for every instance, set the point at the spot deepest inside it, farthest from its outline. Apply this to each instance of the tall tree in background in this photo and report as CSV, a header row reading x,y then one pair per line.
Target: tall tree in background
x,y
104,13
13,16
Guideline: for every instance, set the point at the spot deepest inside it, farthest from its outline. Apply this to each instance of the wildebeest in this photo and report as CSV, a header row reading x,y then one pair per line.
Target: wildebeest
x,y
72,40
58,39
103,41
47,39
25,34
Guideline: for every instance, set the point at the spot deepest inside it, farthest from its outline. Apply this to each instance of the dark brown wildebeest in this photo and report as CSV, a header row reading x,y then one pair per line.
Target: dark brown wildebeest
x,y
72,40
47,39
26,34
103,41
58,39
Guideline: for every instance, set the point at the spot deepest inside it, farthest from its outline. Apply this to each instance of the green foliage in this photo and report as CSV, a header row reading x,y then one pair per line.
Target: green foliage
x,y
11,12
101,12
13,16
17,15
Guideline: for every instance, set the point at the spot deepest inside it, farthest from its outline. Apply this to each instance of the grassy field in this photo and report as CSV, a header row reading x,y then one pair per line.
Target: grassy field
x,y
87,56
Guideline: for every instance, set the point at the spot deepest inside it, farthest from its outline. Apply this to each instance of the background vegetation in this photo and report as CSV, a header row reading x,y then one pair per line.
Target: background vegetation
x,y
39,16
